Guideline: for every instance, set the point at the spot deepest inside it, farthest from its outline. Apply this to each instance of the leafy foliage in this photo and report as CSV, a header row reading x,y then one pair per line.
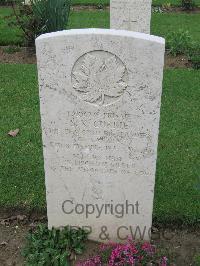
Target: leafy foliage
x,y
5,2
197,260
11,49
188,4
40,16
194,55
181,43
52,13
178,42
53,247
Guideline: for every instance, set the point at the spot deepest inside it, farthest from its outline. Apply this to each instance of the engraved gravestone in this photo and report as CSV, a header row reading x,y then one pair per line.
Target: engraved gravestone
x,y
100,96
133,15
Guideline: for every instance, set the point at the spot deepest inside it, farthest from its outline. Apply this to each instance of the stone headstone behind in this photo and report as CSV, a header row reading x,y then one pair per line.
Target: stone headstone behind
x,y
100,96
133,15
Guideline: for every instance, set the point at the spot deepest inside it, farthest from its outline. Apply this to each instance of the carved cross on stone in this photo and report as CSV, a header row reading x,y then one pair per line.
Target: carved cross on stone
x,y
128,23
133,15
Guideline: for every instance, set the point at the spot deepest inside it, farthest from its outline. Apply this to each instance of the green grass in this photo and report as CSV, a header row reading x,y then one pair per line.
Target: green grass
x,y
107,2
21,163
162,24
172,2
87,19
178,166
8,35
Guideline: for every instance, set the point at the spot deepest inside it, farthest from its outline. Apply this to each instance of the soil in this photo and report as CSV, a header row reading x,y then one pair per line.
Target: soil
x,y
23,55
164,8
11,243
27,56
181,245
180,61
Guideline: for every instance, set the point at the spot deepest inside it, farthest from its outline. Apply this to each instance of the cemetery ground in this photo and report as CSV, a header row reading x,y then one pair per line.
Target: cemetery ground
x,y
161,24
106,2
22,190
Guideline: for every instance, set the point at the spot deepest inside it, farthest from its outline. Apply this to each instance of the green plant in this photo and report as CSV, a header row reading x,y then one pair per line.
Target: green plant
x,y
178,42
24,18
53,247
188,4
195,60
194,55
3,2
197,260
52,13
166,6
6,2
11,49
40,16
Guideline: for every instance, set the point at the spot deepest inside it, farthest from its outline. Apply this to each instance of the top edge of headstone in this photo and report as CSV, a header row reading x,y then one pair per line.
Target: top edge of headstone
x,y
125,33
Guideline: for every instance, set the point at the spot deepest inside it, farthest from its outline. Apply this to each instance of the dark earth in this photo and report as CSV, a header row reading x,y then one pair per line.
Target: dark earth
x,y
25,55
179,244
166,8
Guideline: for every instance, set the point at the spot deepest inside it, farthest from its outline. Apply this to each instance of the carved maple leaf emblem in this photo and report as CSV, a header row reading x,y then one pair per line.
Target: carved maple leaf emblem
x,y
98,78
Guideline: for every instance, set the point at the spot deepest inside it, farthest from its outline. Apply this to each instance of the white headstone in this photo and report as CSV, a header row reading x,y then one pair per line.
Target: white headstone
x,y
100,96
133,15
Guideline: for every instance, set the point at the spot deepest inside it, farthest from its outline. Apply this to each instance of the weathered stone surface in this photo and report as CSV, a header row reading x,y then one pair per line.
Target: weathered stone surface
x,y
100,95
133,15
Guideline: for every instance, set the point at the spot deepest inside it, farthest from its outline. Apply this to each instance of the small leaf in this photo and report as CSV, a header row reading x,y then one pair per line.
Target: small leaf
x,y
13,133
80,77
91,96
78,250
